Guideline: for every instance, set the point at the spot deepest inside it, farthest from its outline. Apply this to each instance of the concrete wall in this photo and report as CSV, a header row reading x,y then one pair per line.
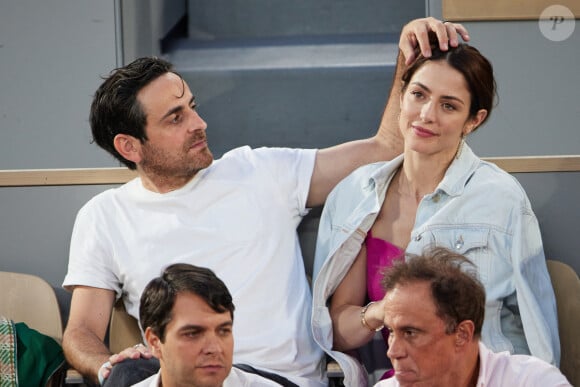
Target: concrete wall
x,y
52,54
145,23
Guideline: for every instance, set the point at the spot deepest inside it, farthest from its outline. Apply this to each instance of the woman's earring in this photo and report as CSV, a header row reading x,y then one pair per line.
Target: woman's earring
x,y
460,147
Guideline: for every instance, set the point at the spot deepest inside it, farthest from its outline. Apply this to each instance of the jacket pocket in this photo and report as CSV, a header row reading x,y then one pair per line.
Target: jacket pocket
x,y
471,242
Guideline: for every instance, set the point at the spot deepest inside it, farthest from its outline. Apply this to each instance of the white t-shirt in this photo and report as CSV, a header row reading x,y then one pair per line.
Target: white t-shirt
x,y
236,378
504,369
238,217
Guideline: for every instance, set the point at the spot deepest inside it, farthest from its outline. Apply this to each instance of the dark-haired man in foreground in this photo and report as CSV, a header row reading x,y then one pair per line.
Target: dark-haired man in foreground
x,y
188,317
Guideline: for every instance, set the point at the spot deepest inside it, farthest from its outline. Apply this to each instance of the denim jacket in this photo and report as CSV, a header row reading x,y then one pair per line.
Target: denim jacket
x,y
479,211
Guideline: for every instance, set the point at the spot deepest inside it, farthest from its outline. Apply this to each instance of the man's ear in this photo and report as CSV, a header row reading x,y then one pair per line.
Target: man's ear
x,y
154,342
464,333
128,146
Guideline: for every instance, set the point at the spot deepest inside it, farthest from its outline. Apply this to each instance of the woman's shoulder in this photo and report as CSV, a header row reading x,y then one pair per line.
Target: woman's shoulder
x,y
496,181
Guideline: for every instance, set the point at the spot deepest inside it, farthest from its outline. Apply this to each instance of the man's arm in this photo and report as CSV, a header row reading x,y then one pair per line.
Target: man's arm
x,y
334,163
87,325
83,337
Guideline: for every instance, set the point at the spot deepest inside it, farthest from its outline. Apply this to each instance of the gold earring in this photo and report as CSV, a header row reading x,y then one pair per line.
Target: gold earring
x,y
460,147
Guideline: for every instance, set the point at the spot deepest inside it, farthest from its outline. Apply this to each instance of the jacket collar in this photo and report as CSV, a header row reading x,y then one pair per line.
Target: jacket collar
x,y
380,177
459,172
453,183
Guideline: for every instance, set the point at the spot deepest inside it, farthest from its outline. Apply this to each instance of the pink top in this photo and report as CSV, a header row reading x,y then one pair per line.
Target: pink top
x,y
380,255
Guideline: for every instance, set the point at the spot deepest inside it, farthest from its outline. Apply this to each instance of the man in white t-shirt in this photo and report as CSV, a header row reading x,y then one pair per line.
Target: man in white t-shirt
x,y
434,309
188,317
237,216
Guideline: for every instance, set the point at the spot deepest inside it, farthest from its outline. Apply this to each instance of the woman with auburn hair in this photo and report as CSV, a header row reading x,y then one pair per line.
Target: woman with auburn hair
x,y
437,193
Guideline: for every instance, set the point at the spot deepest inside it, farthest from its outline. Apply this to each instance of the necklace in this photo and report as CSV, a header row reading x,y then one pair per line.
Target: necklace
x,y
407,192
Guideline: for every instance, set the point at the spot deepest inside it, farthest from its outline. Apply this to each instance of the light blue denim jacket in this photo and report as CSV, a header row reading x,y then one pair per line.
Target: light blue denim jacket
x,y
477,210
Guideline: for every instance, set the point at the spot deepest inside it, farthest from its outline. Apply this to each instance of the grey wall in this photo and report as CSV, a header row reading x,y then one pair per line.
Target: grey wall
x,y
537,79
51,56
52,53
145,22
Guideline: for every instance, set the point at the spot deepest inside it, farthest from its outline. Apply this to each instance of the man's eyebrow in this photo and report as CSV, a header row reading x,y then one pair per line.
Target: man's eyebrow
x,y
177,109
227,323
191,327
407,327
451,97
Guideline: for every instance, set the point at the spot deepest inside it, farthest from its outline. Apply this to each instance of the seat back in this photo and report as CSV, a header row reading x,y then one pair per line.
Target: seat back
x,y
566,286
124,329
30,299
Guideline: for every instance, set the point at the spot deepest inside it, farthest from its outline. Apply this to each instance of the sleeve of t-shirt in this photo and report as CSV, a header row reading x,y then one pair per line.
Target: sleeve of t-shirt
x,y
90,257
291,171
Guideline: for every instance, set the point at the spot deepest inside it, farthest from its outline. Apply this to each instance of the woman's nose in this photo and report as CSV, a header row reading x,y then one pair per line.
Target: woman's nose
x,y
427,112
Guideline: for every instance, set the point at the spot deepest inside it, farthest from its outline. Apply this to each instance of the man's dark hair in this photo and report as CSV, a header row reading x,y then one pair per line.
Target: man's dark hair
x,y
159,295
115,108
457,292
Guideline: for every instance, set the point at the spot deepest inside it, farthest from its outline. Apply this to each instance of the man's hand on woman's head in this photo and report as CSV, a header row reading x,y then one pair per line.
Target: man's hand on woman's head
x,y
416,34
